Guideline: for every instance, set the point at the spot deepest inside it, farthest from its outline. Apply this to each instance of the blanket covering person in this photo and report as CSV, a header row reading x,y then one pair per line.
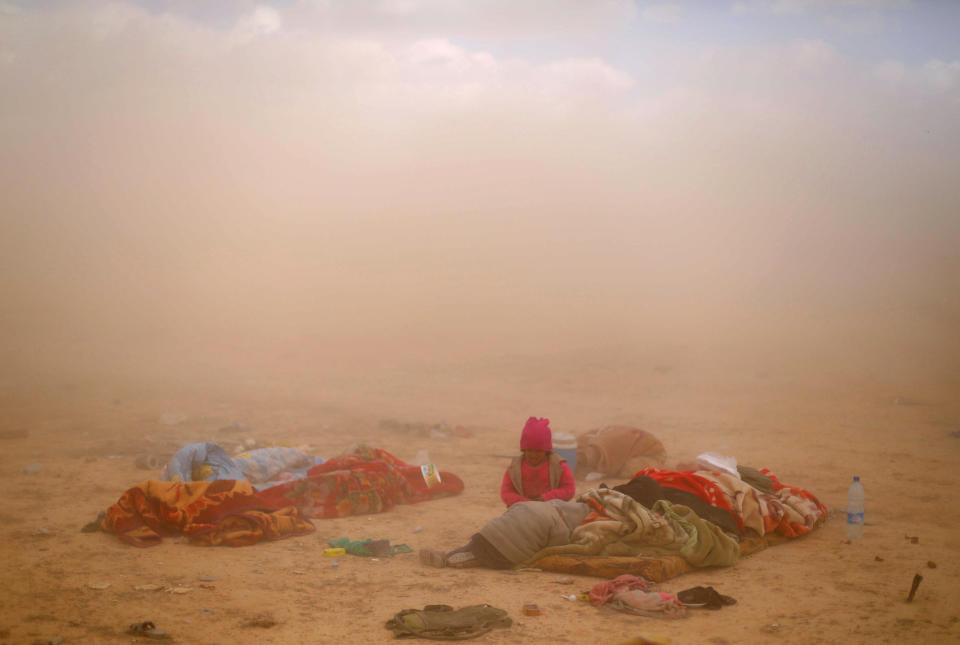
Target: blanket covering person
x,y
621,526
224,511
232,512
527,527
539,474
369,480
208,461
786,510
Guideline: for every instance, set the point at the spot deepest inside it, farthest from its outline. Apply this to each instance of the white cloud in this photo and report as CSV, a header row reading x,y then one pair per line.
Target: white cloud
x,y
665,13
890,72
589,75
811,54
801,6
262,21
936,76
941,75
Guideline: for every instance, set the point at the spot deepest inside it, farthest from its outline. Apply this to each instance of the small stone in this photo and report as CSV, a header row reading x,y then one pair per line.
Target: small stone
x,y
33,468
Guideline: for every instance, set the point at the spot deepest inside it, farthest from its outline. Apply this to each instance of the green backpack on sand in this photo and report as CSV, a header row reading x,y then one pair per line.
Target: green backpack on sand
x,y
444,623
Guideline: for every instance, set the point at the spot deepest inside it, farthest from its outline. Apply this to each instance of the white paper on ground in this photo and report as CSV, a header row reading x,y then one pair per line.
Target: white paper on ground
x,y
715,461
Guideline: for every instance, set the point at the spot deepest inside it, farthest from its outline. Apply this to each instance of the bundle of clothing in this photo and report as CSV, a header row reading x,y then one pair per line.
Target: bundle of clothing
x,y
698,517
706,517
208,461
232,512
756,500
617,451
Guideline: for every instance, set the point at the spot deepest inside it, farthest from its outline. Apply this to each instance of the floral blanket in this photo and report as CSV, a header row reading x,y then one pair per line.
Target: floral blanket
x,y
231,512
370,480
224,511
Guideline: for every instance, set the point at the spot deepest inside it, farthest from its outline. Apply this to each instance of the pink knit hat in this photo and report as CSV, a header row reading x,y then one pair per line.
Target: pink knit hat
x,y
536,435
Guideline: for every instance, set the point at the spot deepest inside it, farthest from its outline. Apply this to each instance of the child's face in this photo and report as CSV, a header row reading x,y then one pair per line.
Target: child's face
x,y
534,457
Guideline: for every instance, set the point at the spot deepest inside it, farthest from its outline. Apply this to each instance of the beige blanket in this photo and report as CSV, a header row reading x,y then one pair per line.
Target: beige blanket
x,y
630,529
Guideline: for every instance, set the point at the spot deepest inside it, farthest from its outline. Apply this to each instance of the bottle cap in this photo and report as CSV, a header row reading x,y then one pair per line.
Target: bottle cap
x,y
856,478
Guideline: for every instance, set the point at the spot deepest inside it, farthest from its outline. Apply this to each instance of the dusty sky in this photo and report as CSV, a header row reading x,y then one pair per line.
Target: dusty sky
x,y
192,184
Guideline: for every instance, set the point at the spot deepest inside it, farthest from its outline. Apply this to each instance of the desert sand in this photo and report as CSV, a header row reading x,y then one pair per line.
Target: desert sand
x,y
813,431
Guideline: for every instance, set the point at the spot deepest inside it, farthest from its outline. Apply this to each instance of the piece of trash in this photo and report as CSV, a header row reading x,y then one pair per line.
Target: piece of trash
x,y
592,477
564,580
148,587
98,585
335,565
530,609
430,475
262,621
298,572
33,468
379,548
204,610
148,630
955,433
207,578
42,532
656,639
917,579
334,551
178,590
571,597
417,528
931,564
912,538
771,628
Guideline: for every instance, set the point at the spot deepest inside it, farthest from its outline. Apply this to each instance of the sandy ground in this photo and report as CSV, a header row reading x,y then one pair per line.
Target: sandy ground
x,y
61,583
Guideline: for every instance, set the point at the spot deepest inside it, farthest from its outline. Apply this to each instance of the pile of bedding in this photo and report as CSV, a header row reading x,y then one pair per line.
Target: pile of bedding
x,y
645,528
232,512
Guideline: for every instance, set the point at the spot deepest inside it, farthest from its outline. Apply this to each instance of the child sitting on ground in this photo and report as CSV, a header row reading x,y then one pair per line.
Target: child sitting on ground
x,y
540,474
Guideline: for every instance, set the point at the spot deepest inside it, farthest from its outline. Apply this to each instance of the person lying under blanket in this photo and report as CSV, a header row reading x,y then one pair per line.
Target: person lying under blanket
x,y
523,530
599,521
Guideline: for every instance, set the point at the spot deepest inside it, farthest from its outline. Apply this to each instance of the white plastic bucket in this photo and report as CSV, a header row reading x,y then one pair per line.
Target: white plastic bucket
x,y
565,445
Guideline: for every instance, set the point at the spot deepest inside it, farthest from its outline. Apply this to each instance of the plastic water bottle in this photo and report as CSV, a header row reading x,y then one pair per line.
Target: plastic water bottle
x,y
855,509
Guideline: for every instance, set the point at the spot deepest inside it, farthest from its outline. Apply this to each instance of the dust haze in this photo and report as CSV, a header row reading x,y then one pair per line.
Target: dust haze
x,y
275,201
